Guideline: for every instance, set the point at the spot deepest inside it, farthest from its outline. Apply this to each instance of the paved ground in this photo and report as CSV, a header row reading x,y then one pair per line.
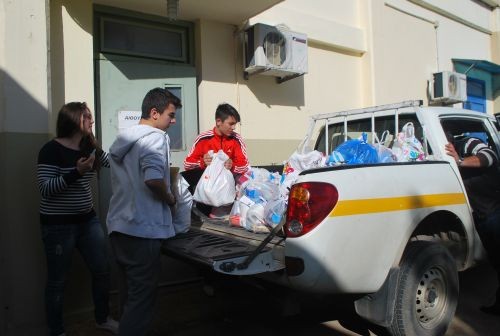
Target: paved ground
x,y
238,308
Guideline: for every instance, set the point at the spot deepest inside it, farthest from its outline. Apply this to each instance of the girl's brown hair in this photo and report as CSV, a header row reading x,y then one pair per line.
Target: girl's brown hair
x,y
69,123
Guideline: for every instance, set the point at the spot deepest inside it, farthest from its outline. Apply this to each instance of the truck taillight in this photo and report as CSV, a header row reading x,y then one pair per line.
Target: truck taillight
x,y
308,204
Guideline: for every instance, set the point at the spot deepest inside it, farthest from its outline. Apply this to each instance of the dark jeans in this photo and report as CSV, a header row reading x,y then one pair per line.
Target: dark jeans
x,y
489,232
139,262
60,242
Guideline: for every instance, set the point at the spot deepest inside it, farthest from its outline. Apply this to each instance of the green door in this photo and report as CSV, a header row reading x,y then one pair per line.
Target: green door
x,y
122,84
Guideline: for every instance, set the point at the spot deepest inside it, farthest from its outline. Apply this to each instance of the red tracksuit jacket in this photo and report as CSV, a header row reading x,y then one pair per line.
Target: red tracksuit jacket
x,y
233,146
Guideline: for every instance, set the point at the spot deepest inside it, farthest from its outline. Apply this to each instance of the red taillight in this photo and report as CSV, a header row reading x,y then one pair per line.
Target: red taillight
x,y
308,204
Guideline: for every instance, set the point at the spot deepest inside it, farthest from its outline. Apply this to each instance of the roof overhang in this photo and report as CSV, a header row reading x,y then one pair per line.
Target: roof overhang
x,y
226,11
493,69
487,66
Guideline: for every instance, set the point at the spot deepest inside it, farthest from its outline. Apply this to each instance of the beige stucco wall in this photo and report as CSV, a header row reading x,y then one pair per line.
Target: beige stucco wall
x,y
463,30
24,102
71,57
275,116
404,55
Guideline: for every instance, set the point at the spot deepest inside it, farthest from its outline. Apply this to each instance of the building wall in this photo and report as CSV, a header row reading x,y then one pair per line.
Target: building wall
x,y
333,81
24,102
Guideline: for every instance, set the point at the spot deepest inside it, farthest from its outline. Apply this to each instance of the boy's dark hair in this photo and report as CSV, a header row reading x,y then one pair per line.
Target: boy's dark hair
x,y
158,98
224,111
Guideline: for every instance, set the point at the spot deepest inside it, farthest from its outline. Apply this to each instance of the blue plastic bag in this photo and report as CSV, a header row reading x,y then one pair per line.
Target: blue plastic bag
x,y
356,151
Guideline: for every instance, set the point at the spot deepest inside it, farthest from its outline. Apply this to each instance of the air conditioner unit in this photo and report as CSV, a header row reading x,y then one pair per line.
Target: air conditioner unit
x,y
449,87
274,51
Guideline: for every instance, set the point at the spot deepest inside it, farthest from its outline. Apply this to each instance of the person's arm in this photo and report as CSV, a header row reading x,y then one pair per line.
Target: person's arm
x,y
51,180
159,189
153,162
477,154
195,158
240,158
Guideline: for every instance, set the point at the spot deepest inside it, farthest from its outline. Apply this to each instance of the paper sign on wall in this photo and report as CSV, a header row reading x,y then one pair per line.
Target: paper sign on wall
x,y
128,118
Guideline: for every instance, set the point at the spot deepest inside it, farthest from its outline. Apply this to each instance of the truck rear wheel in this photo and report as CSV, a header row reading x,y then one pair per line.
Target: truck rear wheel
x,y
427,291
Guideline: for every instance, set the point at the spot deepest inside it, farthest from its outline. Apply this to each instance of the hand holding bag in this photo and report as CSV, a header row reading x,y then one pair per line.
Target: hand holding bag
x,y
216,186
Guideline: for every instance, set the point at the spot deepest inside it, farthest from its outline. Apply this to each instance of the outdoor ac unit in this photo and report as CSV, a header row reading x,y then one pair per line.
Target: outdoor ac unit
x,y
272,51
449,87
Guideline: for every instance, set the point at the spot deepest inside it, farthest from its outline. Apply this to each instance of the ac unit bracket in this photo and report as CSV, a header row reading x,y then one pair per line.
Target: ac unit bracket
x,y
279,80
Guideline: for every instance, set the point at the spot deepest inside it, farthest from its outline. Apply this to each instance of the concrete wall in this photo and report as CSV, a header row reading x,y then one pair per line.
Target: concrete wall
x,y
24,102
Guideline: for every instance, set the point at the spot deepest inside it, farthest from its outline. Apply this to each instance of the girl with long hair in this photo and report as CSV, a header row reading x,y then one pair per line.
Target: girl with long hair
x,y
66,166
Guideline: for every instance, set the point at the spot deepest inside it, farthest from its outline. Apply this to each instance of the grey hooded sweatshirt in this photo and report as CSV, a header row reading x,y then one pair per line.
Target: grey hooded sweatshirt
x,y
139,153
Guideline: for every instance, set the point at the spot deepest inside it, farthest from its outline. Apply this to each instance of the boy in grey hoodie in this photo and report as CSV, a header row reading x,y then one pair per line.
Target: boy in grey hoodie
x,y
140,209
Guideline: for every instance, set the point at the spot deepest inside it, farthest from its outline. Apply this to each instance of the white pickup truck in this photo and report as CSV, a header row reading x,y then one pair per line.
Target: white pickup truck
x,y
395,233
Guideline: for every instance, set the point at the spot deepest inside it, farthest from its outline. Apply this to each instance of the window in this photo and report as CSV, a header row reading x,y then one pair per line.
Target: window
x,y
457,128
355,128
146,39
476,95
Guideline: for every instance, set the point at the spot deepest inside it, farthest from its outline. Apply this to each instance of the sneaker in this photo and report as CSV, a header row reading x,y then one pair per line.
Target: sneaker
x,y
110,325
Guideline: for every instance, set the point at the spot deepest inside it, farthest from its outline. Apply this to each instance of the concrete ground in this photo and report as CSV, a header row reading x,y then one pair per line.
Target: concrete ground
x,y
237,308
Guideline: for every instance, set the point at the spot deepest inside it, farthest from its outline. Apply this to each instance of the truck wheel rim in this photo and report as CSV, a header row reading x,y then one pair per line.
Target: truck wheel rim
x,y
430,297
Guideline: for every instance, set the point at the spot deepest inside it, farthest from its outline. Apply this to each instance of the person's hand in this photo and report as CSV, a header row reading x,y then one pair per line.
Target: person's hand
x,y
228,164
84,165
207,159
450,150
171,201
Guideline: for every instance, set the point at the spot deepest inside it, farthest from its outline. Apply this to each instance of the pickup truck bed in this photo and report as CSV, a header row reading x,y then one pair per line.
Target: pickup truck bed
x,y
215,243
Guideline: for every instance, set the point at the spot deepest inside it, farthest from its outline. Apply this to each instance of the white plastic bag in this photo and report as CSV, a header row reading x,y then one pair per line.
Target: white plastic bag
x,y
254,220
298,162
181,218
216,186
274,212
384,153
406,146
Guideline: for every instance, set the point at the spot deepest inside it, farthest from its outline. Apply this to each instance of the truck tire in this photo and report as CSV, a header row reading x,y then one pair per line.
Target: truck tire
x,y
426,291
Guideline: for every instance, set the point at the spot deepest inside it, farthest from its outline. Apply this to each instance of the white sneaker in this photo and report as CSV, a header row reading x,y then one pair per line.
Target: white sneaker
x,y
110,325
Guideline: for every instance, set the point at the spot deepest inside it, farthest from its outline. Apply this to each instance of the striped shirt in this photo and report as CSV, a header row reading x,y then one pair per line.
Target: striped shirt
x,y
66,195
482,183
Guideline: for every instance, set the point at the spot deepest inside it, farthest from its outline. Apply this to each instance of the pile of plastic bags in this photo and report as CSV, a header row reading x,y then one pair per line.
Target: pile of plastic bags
x,y
259,197
406,147
259,205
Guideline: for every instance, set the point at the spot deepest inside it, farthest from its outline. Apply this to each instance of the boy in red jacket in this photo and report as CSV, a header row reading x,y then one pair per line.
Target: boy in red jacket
x,y
222,136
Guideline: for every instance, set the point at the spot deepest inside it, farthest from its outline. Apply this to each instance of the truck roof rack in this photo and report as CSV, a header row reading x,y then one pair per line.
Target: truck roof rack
x,y
407,103
305,145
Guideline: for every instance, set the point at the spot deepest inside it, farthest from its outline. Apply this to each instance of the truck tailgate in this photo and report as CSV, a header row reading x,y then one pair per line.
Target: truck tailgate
x,y
226,249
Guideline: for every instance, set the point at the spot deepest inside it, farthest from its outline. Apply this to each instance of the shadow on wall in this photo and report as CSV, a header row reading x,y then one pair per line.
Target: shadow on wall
x,y
75,10
269,92
22,261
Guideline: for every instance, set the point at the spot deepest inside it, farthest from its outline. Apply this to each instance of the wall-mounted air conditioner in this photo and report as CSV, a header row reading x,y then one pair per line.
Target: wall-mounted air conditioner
x,y
274,51
449,87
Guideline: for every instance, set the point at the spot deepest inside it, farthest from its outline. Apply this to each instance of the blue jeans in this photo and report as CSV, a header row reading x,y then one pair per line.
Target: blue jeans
x,y
59,242
139,262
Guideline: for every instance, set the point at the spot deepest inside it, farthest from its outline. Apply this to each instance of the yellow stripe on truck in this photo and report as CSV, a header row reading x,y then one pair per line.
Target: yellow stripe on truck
x,y
373,205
